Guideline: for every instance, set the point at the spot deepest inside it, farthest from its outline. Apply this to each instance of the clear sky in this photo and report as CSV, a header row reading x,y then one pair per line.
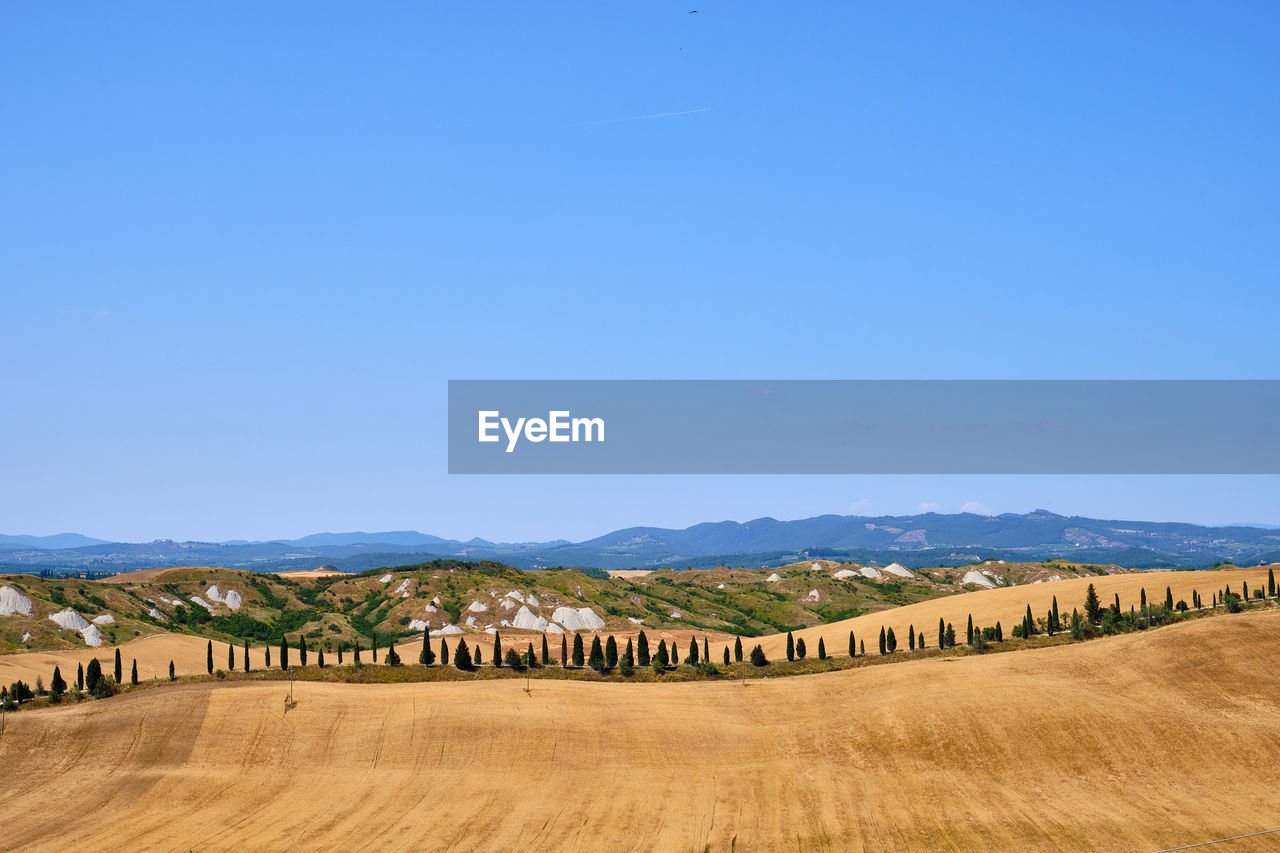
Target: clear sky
x,y
244,246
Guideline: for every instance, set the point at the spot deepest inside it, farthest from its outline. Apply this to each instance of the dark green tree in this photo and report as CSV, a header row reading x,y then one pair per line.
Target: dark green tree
x,y
862,648
726,655
706,650
1245,591
392,657
120,671
675,653
246,655
1055,621
302,651
884,644
822,649
267,649
737,649
969,631
284,652
596,659
172,675
1168,598
546,653
1092,607
853,647
564,653
942,635
951,636
476,656
373,649
611,652
911,637
444,652
693,652
462,657
208,658
231,658
427,656
791,647
1077,625
891,642
801,649
133,675
320,657
1028,623
1271,583
999,633
530,659
1142,598
642,650
757,657
579,656
513,660
80,677
93,677
57,686
661,660
497,648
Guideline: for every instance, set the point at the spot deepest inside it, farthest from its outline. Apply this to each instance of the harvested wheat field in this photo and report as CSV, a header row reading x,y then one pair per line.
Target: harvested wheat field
x,y
1008,605
1134,742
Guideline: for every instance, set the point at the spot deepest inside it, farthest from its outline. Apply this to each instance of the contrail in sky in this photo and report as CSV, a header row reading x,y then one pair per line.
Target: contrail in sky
x,y
655,115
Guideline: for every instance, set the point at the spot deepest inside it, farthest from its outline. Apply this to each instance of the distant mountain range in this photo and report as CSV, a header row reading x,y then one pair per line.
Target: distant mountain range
x,y
913,540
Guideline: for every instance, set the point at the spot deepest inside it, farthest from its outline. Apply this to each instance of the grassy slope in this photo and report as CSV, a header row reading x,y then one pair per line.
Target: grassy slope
x,y
1140,741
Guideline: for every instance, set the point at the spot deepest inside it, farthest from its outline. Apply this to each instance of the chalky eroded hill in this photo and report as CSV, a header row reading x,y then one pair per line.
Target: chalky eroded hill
x,y
1134,742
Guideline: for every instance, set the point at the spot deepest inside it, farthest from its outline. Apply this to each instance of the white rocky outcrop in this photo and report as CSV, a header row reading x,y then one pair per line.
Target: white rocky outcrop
x,y
532,600
403,589
431,608
477,607
553,628
899,570
675,614
12,601
845,574
157,615
231,598
26,638
582,619
635,620
470,621
719,586
385,578
104,619
515,596
813,595
506,604
871,572
527,620
418,625
446,630
977,578
774,578
68,618
206,605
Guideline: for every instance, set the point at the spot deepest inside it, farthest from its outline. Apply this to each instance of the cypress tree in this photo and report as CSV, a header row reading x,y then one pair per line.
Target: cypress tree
x,y
642,650
969,631
951,636
1142,598
93,677
231,658
891,642
942,635
1048,623
1245,593
883,642
462,656
675,654
999,633
284,652
611,652
757,656
726,655
693,652
1168,598
120,673
661,659
862,647
302,651
822,649
791,647
596,660
801,649
426,657
530,659
706,651
80,677
268,651
1115,608
737,649
172,676
497,649
1055,618
246,655
57,686
911,636
853,647
546,654
564,653
1271,583
320,657
1028,623
578,656
475,656
1092,607
208,658
133,676
629,654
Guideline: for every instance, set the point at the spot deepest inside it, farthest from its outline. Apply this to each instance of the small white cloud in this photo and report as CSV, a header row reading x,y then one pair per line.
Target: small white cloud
x,y
975,507
859,505
929,506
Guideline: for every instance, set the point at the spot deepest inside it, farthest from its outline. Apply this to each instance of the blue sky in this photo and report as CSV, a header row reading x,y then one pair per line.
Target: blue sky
x,y
245,248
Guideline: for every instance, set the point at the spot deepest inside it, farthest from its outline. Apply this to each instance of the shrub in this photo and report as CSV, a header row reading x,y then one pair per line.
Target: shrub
x,y
758,658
